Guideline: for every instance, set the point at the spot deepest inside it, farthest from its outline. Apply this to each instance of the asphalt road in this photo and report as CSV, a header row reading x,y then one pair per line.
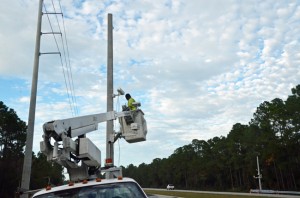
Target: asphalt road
x,y
222,193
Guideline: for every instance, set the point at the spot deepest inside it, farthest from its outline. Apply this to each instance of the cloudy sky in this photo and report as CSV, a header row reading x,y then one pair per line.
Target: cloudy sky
x,y
198,67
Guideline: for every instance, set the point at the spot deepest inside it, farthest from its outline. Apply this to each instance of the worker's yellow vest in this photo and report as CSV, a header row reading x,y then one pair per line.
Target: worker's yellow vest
x,y
130,101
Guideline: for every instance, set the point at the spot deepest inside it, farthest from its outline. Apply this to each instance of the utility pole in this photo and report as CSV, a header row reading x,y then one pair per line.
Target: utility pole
x,y
259,175
30,130
110,87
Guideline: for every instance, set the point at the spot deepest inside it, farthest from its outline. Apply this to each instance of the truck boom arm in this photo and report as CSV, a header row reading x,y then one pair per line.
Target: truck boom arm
x,y
76,126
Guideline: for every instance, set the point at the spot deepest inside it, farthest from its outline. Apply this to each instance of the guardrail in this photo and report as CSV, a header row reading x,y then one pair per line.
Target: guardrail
x,y
274,192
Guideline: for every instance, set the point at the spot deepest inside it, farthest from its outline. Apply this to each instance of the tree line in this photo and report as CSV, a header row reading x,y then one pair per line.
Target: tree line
x,y
12,143
229,163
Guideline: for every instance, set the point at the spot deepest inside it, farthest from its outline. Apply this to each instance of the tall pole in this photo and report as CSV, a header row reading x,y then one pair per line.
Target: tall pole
x,y
110,107
258,174
30,130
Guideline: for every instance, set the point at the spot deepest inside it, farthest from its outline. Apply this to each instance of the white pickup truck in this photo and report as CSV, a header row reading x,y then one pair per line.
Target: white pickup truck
x,y
170,187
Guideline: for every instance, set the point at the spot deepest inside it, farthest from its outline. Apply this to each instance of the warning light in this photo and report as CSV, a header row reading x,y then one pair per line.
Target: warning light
x,y
84,181
120,177
98,179
108,162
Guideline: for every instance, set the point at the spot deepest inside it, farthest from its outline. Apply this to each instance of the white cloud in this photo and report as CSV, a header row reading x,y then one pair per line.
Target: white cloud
x,y
24,99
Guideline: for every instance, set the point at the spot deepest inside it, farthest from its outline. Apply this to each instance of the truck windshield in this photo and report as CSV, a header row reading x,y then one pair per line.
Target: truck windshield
x,y
114,190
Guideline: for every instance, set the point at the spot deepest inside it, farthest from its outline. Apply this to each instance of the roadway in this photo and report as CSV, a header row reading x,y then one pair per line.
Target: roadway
x,y
222,193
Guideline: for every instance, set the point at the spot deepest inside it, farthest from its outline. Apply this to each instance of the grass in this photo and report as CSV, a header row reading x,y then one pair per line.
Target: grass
x,y
196,195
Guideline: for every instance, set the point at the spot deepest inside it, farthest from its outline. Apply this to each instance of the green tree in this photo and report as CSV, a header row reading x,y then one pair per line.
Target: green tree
x,y
44,172
12,141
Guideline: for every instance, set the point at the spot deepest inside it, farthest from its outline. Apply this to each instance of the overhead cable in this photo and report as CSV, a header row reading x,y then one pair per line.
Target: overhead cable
x,y
68,83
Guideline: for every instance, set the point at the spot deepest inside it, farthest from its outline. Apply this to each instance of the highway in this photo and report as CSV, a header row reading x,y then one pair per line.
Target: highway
x,y
221,193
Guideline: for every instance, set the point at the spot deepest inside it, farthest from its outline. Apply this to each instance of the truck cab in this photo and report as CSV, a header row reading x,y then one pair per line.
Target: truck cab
x,y
98,188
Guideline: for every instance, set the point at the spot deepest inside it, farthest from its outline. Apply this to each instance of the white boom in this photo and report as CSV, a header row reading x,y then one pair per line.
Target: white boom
x,y
69,153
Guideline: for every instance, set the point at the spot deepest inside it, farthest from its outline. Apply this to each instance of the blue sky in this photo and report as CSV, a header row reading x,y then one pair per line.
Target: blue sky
x,y
198,67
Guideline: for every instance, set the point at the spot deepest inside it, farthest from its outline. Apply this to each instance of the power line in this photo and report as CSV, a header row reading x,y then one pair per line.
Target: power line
x,y
68,74
67,63
67,46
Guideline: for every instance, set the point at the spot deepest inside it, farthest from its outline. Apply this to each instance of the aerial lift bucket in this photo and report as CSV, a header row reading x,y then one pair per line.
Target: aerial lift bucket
x,y
134,126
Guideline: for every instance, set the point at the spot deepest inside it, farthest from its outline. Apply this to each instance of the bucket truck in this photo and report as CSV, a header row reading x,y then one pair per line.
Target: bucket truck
x,y
82,159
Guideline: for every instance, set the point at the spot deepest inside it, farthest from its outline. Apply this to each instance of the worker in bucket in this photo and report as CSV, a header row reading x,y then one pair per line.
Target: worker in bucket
x,y
130,101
